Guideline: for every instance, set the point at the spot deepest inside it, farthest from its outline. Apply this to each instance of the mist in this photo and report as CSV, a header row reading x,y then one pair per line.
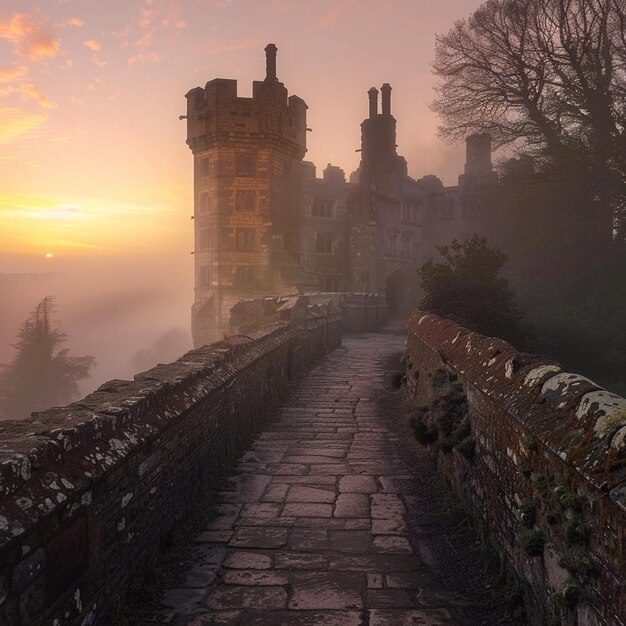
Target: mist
x,y
128,313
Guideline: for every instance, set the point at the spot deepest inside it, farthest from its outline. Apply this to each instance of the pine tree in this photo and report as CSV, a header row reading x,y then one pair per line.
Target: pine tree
x,y
40,375
465,285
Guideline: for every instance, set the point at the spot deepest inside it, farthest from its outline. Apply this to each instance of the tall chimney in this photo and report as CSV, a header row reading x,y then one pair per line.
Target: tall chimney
x,y
373,94
386,91
270,62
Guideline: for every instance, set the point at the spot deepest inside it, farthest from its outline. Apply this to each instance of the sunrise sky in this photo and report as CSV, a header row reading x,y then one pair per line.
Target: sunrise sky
x,y
92,156
95,176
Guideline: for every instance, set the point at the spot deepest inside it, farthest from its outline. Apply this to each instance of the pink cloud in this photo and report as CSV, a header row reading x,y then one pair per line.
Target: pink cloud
x,y
30,92
328,19
76,22
9,74
145,57
92,44
29,36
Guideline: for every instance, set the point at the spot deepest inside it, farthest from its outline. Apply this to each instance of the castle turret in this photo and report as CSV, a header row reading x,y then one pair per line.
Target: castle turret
x,y
478,155
247,153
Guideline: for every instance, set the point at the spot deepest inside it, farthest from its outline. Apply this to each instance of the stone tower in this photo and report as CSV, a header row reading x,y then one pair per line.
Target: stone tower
x,y
247,164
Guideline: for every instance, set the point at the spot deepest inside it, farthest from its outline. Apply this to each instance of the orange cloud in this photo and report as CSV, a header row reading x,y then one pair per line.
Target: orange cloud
x,y
29,37
146,18
76,22
14,122
145,57
93,45
10,74
30,92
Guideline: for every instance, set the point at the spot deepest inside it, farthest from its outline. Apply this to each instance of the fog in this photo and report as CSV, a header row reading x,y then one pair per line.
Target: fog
x,y
129,313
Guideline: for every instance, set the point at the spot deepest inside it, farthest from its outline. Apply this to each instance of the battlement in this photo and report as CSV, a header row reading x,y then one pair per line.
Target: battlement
x,y
216,114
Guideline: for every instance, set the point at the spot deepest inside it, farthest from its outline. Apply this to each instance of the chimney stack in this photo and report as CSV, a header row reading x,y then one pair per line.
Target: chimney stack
x,y
386,91
270,62
373,95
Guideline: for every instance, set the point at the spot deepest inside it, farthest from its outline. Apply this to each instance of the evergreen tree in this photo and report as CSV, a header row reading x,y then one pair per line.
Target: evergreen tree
x,y
40,375
467,287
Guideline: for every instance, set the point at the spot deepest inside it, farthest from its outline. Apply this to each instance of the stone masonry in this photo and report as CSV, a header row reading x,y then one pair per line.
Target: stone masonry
x,y
266,225
314,526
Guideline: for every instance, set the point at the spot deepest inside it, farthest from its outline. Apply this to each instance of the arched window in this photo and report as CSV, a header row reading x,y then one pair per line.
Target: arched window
x,y
245,240
245,165
245,201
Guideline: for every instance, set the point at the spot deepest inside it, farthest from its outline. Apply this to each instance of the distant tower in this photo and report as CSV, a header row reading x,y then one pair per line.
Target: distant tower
x,y
478,155
378,135
247,156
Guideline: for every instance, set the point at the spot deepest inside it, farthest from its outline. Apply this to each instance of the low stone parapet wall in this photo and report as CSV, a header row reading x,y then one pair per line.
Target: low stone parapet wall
x,y
361,312
539,455
89,491
358,312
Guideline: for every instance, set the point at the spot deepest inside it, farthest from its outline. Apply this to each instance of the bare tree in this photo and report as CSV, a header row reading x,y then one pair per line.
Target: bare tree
x,y
551,73
548,76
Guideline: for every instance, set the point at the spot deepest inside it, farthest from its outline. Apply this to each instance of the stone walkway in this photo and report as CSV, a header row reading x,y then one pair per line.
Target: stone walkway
x,y
311,529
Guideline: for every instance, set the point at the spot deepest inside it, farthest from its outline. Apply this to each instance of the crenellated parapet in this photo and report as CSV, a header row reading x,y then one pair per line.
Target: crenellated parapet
x,y
216,114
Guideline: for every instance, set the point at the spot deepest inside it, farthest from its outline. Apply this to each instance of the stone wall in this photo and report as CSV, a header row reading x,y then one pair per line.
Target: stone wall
x,y
89,491
356,312
538,454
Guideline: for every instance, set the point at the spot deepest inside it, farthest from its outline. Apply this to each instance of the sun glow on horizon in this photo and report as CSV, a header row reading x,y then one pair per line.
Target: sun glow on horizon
x,y
34,224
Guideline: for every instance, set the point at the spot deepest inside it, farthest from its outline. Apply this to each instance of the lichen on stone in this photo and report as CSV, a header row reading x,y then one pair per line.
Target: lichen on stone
x,y
537,374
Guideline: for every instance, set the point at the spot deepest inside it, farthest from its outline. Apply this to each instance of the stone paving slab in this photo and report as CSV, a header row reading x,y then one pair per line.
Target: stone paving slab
x,y
312,527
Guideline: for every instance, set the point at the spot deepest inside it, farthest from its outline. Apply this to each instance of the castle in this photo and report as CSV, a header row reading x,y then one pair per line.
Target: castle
x,y
265,224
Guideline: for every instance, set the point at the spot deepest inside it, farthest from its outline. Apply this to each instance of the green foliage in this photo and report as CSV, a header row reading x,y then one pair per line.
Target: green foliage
x,y
528,513
530,443
576,532
540,482
41,375
466,285
570,594
532,541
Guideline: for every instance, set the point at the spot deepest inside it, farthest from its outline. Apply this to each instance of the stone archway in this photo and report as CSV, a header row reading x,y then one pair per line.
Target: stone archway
x,y
397,292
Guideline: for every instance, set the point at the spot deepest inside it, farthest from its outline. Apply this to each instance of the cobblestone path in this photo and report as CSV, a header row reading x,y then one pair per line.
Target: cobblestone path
x,y
312,527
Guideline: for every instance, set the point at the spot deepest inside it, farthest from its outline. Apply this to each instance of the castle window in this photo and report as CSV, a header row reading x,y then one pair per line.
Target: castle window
x,y
245,201
322,208
330,284
245,240
245,165
408,244
203,239
245,277
204,277
203,202
203,167
324,243
409,211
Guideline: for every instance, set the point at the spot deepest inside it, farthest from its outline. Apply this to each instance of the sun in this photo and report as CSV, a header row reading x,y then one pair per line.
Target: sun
x,y
49,255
